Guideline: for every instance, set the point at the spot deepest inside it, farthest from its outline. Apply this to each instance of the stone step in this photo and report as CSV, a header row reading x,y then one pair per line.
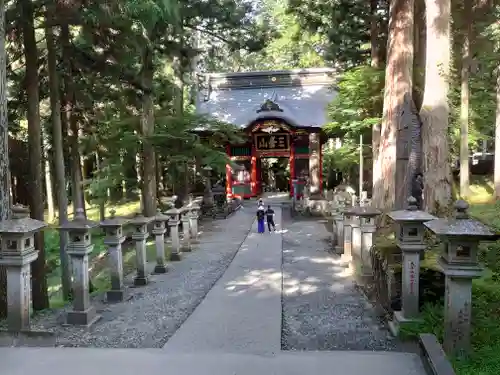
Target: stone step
x,y
80,361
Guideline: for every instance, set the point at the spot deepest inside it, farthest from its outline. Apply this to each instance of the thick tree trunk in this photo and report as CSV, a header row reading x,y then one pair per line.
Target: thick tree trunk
x,y
464,102
435,110
4,153
419,42
40,295
72,122
147,130
59,167
497,139
376,62
398,81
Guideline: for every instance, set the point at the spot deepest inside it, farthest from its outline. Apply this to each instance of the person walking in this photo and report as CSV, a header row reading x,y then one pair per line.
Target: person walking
x,y
260,219
270,218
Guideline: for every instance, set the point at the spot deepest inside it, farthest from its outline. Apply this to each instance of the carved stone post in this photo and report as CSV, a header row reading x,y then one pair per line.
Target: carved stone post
x,y
113,229
461,236
338,219
140,235
17,252
314,163
410,240
295,185
79,247
366,216
186,231
348,219
194,215
158,231
173,223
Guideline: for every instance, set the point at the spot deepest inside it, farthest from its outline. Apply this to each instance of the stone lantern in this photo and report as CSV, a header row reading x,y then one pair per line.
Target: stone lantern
x,y
173,223
186,231
79,247
158,231
366,215
461,236
140,235
17,252
338,219
194,214
114,238
410,240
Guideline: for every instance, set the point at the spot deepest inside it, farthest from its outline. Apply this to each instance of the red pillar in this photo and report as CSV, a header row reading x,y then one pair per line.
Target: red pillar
x,y
253,172
229,175
292,166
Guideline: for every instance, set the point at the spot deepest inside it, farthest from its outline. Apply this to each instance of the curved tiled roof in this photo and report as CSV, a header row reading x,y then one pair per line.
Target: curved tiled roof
x,y
299,97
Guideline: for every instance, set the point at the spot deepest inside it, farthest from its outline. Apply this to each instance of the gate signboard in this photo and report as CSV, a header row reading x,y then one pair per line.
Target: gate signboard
x,y
272,142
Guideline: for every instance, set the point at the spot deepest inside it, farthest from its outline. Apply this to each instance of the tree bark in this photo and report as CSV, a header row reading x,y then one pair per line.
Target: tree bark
x,y
59,167
376,62
398,81
72,121
147,130
5,181
434,112
497,139
419,42
464,102
40,295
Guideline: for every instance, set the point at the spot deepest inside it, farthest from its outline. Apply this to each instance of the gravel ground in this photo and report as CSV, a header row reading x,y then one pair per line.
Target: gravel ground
x,y
154,312
322,308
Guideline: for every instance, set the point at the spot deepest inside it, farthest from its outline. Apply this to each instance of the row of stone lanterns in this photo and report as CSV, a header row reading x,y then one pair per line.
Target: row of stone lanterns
x,y
461,235
17,252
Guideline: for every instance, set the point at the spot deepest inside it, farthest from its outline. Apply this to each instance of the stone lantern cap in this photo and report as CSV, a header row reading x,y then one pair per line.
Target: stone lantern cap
x,y
20,223
113,221
161,217
173,211
365,211
411,214
140,219
79,223
351,211
461,225
195,206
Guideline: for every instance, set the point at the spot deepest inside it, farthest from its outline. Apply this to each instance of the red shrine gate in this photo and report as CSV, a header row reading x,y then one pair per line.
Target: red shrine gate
x,y
274,138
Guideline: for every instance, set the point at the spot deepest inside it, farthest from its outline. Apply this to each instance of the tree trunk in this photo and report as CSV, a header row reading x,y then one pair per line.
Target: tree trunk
x,y
147,130
376,62
464,102
4,153
398,81
40,295
434,112
419,53
497,139
49,193
59,167
72,122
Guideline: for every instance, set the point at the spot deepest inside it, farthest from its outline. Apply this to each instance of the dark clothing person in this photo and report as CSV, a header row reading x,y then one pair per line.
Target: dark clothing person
x,y
260,219
270,219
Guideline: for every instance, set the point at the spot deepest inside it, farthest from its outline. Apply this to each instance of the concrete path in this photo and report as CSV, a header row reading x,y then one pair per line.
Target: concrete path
x,y
63,361
242,312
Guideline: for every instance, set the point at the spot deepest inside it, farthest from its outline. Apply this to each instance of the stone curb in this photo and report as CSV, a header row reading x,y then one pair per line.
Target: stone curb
x,y
433,356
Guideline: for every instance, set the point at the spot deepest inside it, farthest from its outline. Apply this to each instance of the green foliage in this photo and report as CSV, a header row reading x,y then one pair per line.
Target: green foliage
x,y
358,105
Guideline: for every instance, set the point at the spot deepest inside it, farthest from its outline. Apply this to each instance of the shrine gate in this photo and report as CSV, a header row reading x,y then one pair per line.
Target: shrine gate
x,y
280,114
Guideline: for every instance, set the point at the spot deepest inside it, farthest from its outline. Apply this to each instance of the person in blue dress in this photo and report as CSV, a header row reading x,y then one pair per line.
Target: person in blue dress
x,y
261,213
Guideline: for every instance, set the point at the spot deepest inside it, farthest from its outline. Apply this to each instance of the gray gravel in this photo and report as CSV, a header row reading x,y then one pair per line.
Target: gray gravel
x,y
156,311
322,308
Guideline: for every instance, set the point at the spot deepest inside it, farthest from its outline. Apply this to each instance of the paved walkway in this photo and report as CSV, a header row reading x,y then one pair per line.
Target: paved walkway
x,y
242,312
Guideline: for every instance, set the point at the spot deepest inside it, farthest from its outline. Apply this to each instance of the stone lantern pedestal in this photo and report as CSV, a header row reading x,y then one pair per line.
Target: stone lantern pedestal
x,y
194,215
347,236
338,220
186,231
366,215
158,231
461,237
354,245
140,235
17,252
410,240
173,223
113,229
79,247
